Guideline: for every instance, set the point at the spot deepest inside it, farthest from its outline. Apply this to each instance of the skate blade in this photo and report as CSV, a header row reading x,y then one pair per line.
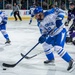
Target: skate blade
x,y
52,63
7,44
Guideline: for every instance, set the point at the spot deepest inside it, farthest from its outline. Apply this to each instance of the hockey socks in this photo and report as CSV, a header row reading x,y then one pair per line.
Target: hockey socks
x,y
6,36
50,56
30,21
66,57
63,53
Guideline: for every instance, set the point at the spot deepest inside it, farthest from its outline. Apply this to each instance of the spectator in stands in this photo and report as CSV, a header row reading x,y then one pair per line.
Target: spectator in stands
x,y
8,6
18,3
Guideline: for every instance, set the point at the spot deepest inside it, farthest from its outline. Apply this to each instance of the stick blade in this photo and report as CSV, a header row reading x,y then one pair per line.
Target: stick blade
x,y
25,56
8,65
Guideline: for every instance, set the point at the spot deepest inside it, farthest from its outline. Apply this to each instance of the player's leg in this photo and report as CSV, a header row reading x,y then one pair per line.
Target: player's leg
x,y
3,31
47,49
18,14
60,40
68,37
31,19
15,16
71,34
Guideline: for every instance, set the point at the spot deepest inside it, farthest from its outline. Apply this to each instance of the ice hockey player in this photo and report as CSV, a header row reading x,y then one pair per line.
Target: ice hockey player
x,y
71,16
3,22
52,27
31,11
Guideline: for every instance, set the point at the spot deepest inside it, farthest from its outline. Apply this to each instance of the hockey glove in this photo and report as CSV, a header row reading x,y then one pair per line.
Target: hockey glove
x,y
42,39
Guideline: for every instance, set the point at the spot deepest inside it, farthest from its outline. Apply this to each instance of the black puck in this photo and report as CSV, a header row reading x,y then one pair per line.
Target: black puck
x,y
4,68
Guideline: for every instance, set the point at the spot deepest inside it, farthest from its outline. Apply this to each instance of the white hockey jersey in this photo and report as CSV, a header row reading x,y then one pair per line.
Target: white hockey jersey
x,y
32,10
3,17
49,26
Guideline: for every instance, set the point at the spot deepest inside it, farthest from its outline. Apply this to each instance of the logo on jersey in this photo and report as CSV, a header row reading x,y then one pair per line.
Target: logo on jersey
x,y
49,24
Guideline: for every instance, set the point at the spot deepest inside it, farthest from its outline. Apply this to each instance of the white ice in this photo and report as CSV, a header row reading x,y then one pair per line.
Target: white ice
x,y
23,37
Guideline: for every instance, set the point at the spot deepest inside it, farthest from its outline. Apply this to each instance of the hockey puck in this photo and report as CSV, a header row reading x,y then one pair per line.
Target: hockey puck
x,y
4,68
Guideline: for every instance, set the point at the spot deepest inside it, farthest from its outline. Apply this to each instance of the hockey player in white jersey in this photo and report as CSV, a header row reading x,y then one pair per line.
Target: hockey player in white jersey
x,y
3,22
31,11
52,27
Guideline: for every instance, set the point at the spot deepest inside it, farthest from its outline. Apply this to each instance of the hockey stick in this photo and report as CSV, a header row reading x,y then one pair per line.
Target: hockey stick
x,y
13,65
39,52
33,55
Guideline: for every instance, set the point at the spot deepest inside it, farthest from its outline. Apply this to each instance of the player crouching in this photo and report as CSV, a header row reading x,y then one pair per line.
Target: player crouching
x,y
53,34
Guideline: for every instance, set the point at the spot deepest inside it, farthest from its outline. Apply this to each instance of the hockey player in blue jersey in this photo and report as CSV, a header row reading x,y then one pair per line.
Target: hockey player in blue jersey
x,y
3,22
52,27
31,11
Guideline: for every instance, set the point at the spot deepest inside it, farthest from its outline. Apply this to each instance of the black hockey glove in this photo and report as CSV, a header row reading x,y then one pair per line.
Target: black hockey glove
x,y
66,23
42,39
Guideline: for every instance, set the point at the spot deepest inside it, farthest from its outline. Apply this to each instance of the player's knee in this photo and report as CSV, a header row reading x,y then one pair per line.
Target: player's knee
x,y
47,48
59,50
3,32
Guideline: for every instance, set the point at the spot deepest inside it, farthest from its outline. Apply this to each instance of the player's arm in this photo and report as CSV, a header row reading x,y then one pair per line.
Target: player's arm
x,y
59,19
59,25
44,33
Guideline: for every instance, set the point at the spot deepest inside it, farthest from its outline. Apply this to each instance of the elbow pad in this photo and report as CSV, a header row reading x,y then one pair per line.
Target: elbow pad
x,y
58,23
59,20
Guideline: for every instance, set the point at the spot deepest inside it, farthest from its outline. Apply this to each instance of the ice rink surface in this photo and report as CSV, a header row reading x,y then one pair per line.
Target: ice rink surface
x,y
23,37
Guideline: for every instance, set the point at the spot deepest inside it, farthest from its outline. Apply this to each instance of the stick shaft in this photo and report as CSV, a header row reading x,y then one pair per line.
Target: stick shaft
x,y
13,65
27,53
27,57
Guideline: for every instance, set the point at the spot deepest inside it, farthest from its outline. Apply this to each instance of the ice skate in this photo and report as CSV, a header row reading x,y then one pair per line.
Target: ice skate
x,y
49,61
29,23
7,42
71,66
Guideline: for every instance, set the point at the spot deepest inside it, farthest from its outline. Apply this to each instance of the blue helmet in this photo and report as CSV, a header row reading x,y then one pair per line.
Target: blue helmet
x,y
38,10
